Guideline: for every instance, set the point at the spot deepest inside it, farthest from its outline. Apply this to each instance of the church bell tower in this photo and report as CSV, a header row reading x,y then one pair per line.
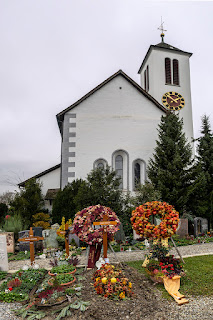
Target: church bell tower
x,y
165,75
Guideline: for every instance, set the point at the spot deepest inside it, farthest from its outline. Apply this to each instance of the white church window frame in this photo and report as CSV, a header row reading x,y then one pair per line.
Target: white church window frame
x,y
125,156
100,163
143,176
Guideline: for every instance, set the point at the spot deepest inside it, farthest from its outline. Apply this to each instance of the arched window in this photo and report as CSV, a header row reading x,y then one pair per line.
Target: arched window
x,y
100,163
119,169
120,164
137,174
175,72
168,70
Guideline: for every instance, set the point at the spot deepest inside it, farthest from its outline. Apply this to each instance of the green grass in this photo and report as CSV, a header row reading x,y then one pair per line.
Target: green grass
x,y
198,279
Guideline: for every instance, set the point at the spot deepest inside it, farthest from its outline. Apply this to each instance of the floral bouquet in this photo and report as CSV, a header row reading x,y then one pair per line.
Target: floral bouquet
x,y
83,224
110,282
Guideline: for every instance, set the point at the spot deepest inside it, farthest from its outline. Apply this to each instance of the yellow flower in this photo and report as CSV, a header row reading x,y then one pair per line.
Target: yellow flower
x,y
113,280
104,280
124,282
130,285
97,279
122,295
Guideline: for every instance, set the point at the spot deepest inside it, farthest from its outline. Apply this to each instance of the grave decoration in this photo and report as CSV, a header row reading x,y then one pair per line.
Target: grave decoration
x,y
3,253
164,268
65,233
110,282
83,227
143,216
31,240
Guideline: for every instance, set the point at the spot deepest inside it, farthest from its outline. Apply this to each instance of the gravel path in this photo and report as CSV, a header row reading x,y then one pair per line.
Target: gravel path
x,y
197,308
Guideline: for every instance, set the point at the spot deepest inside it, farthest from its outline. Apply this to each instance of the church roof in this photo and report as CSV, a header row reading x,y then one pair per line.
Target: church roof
x,y
60,115
51,194
163,46
22,184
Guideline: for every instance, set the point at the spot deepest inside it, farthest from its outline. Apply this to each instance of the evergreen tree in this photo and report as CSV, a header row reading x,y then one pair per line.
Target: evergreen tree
x,y
102,187
64,204
171,168
28,201
205,162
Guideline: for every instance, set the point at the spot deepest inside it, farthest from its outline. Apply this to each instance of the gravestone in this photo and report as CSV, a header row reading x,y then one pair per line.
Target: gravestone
x,y
45,233
50,241
200,226
24,246
10,241
37,232
182,229
3,253
55,226
73,236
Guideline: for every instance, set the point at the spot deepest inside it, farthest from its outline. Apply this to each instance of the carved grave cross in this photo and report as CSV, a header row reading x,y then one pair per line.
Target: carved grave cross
x,y
105,223
66,233
31,239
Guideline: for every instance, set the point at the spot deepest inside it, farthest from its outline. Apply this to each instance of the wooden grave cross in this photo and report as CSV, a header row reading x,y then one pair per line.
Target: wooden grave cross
x,y
105,223
65,232
31,239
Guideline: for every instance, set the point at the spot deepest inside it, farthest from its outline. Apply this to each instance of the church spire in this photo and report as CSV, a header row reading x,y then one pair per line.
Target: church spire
x,y
162,30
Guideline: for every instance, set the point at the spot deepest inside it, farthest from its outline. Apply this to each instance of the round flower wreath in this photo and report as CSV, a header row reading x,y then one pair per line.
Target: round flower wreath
x,y
141,220
83,224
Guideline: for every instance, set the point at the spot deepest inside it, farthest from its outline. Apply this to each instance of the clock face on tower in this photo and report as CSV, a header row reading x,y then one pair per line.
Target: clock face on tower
x,y
173,100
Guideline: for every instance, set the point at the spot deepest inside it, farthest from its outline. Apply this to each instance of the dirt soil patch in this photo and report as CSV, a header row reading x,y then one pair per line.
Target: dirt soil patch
x,y
147,302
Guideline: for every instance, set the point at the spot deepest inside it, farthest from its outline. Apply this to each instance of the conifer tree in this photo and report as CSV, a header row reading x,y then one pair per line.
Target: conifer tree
x,y
205,162
171,168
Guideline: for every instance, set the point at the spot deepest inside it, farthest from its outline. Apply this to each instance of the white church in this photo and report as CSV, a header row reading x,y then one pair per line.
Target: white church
x,y
116,123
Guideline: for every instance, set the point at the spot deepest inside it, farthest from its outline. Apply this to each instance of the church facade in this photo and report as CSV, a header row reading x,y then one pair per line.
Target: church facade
x,y
116,123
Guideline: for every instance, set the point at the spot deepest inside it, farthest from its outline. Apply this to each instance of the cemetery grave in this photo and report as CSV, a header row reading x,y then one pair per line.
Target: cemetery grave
x,y
119,291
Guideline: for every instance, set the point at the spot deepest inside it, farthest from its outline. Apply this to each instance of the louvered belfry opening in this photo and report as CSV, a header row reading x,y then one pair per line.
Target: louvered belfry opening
x,y
168,70
175,72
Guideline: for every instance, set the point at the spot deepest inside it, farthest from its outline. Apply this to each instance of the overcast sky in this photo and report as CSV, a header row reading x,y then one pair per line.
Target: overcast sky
x,y
53,52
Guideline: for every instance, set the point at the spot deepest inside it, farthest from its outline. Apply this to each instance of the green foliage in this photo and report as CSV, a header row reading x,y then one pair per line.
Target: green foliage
x,y
12,296
28,201
30,314
64,204
64,268
14,224
64,278
21,255
3,275
171,169
146,193
203,201
66,311
101,187
3,211
41,219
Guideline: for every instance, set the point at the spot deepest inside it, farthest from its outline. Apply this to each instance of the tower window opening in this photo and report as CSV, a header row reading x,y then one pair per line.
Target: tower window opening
x,y
168,70
175,72
146,79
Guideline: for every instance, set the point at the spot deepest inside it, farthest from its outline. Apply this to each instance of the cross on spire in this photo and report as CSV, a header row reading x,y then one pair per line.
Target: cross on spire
x,y
162,30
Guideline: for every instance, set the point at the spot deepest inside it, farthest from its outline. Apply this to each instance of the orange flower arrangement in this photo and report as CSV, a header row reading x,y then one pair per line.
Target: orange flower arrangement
x,y
111,283
142,225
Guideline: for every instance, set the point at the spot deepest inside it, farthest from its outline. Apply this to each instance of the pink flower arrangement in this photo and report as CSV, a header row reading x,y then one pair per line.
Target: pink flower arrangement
x,y
83,224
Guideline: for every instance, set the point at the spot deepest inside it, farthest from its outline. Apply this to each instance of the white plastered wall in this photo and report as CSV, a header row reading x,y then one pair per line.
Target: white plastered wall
x,y
116,117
